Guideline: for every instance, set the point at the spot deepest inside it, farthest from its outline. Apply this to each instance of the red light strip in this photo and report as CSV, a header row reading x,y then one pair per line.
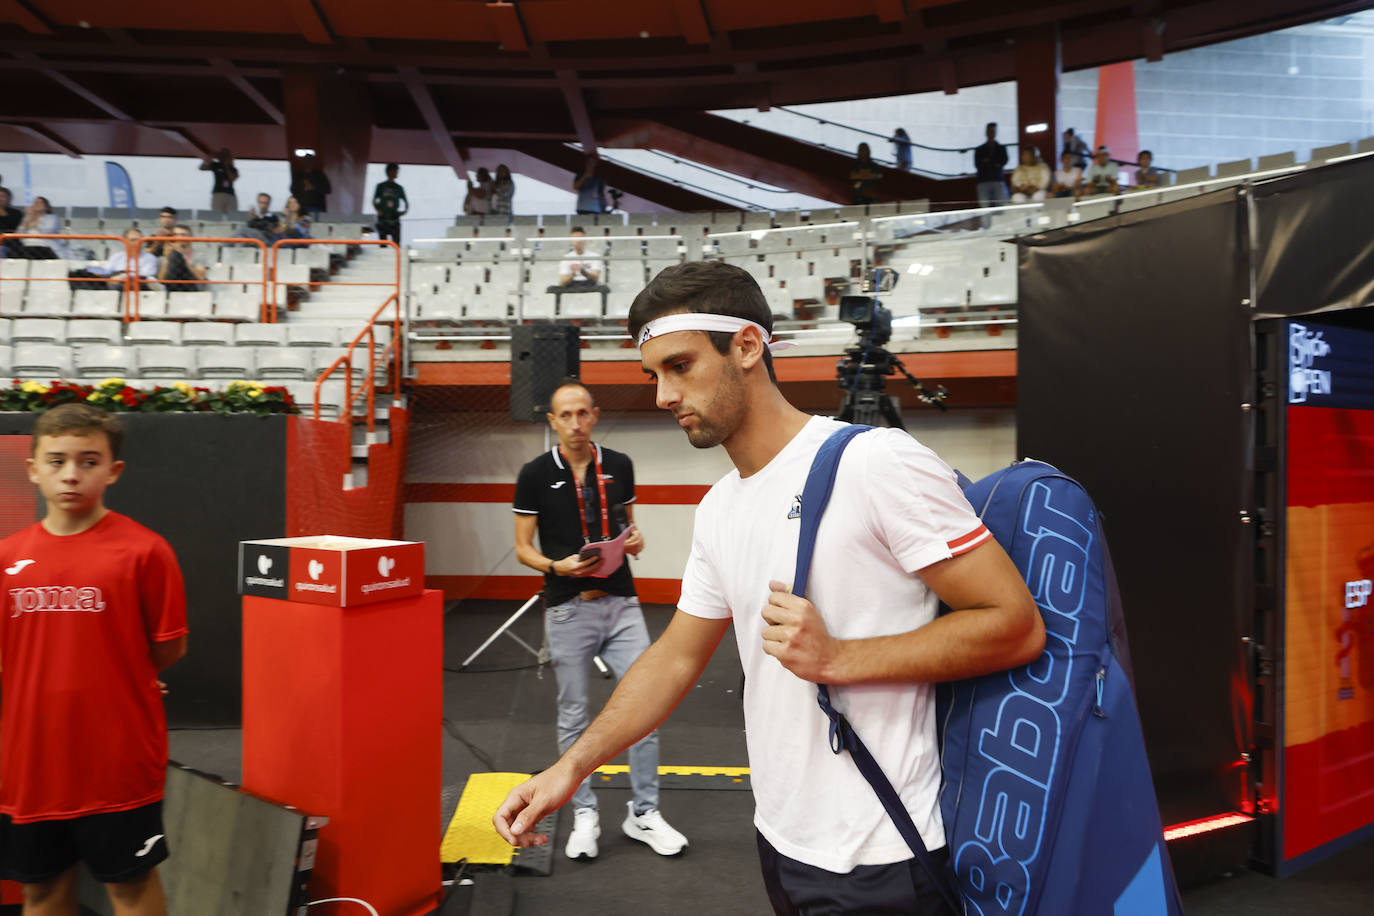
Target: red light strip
x,y
1204,825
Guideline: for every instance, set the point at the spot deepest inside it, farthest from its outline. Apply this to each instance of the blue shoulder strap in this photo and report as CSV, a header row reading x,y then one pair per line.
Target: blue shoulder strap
x,y
815,495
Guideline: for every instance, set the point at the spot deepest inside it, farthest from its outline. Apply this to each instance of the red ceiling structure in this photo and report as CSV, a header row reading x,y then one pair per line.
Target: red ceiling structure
x,y
442,81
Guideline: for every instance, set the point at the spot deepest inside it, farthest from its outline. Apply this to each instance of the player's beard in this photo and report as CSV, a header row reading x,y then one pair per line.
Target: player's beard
x,y
722,415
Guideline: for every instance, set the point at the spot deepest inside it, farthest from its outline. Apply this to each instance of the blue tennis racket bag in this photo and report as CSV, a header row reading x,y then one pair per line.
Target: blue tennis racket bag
x,y
1048,803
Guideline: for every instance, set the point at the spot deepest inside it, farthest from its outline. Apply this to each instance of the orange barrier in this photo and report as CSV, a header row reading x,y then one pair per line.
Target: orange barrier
x,y
391,352
128,281
131,283
264,311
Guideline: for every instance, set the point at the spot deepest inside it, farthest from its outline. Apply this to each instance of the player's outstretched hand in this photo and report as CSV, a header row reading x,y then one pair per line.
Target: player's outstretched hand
x,y
796,635
526,805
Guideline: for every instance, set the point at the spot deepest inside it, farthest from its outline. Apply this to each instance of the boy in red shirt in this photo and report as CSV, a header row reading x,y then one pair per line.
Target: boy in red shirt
x,y
93,609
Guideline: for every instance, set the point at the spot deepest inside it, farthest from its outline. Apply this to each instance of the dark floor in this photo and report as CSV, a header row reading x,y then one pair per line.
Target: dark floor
x,y
503,715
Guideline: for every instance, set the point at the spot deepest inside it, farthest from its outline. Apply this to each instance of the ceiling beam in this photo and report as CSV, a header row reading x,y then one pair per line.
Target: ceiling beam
x,y
691,18
71,85
183,136
419,93
506,18
26,16
310,20
890,10
46,135
227,69
577,109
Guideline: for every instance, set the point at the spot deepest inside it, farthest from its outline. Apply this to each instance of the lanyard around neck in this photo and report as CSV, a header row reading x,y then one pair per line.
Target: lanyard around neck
x,y
601,491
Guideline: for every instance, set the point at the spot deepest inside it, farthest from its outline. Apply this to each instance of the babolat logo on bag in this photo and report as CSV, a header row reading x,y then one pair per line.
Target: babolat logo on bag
x,y
1048,802
263,569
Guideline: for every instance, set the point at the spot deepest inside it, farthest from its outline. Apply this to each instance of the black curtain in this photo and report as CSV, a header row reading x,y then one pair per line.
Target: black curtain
x,y
1134,363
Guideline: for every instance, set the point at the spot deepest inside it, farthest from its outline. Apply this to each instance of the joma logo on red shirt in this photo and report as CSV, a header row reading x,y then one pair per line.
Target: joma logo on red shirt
x,y
57,598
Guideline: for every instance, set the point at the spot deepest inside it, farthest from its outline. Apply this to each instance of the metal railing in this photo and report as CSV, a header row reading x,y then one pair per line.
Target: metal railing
x,y
389,355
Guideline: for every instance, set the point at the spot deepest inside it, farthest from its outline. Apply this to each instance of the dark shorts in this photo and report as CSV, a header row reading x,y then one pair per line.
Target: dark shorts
x,y
904,888
116,847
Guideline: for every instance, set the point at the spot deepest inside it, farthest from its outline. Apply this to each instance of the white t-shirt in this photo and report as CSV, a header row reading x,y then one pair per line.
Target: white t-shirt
x,y
588,261
895,509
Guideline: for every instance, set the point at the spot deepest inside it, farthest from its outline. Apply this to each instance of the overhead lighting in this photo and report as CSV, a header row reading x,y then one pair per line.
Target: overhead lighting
x,y
303,151
1037,128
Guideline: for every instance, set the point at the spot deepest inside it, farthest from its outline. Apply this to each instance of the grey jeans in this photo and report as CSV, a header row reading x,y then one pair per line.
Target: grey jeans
x,y
612,627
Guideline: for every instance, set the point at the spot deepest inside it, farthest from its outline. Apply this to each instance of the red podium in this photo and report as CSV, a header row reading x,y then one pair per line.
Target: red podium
x,y
341,717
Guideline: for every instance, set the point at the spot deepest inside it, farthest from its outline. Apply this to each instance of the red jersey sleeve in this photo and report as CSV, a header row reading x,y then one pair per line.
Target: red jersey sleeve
x,y
162,593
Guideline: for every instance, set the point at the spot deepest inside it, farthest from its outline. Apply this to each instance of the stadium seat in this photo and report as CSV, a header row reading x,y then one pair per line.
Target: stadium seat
x,y
445,307
165,362
47,299
1321,154
167,333
151,303
99,361
41,362
241,306
38,331
284,363
195,305
13,281
257,334
225,362
1277,161
311,335
1189,176
97,303
1235,168
96,331
207,334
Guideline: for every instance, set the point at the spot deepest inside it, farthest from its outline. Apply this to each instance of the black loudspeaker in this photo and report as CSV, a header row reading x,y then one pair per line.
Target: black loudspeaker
x,y
541,355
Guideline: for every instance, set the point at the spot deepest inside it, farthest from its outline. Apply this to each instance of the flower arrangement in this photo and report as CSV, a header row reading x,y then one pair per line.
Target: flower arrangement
x,y
114,394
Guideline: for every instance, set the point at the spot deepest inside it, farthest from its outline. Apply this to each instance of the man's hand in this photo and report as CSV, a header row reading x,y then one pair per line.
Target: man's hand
x,y
796,634
634,543
572,566
527,803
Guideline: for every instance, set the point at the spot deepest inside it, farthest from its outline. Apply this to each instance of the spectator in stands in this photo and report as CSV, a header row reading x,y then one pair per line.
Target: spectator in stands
x,y
1031,178
294,224
166,222
1146,175
117,267
590,188
1074,145
10,220
901,149
478,200
578,267
40,220
387,201
863,177
221,165
310,185
503,191
989,161
1066,177
178,273
262,222
1100,178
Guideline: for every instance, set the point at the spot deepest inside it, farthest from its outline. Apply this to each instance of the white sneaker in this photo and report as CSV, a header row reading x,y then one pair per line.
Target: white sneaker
x,y
651,828
585,830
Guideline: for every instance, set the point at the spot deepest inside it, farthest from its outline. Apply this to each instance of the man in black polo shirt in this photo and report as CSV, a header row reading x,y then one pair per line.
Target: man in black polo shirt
x,y
571,495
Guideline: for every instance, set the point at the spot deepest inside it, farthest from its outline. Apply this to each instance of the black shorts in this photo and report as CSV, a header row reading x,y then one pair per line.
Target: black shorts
x,y
899,889
116,847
